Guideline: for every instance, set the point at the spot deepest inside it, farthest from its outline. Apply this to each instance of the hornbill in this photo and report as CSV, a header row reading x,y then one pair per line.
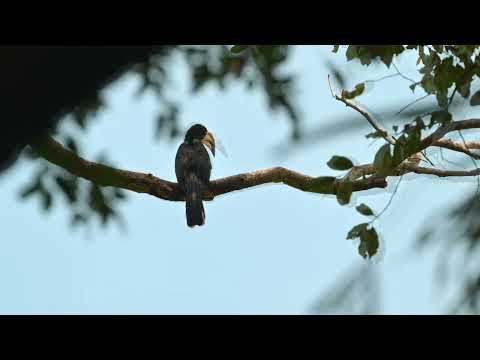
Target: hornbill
x,y
193,168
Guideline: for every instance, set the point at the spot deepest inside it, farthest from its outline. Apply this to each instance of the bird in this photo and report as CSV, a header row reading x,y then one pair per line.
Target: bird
x,y
193,169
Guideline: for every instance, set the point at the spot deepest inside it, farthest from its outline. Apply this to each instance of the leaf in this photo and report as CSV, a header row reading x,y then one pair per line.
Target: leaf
x,y
442,99
357,91
344,192
322,185
383,161
351,52
368,243
428,84
463,87
399,152
475,99
356,231
364,210
412,87
441,117
413,141
339,163
237,49
335,48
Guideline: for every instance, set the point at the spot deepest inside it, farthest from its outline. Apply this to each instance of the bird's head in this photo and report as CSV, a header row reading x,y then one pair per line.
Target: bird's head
x,y
199,133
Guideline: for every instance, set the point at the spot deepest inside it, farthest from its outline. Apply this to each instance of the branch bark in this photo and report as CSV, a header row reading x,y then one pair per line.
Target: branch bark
x,y
464,148
103,175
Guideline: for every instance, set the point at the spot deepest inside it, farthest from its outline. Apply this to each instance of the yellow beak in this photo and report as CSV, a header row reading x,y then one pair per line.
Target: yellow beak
x,y
209,141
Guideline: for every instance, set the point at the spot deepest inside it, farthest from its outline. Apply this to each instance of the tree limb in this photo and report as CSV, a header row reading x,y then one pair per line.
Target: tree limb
x,y
364,113
464,148
103,175
449,127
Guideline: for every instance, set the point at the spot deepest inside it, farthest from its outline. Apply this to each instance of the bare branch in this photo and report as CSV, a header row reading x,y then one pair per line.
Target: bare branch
x,y
454,146
408,167
364,113
102,175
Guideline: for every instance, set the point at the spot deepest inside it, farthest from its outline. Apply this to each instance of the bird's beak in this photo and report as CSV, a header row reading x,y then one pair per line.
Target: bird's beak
x,y
209,141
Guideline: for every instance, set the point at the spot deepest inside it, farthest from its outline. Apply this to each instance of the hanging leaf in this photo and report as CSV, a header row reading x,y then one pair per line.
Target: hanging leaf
x,y
399,152
356,231
344,192
368,243
339,163
357,91
383,161
364,210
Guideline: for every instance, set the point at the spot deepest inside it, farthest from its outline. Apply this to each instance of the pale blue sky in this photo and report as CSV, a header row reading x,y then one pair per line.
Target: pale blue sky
x,y
266,250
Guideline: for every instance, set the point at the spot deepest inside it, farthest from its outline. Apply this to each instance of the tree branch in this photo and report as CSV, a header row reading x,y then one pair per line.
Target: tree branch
x,y
464,148
364,113
437,172
445,129
103,175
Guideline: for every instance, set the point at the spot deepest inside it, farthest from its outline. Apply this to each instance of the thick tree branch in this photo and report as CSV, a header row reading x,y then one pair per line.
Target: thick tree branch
x,y
445,129
102,175
464,148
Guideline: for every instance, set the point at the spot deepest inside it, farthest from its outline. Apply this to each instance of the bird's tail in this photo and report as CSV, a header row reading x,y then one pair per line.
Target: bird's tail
x,y
193,200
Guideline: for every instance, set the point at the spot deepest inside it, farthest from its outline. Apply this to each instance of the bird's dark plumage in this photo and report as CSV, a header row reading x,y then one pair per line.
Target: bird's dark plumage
x,y
193,168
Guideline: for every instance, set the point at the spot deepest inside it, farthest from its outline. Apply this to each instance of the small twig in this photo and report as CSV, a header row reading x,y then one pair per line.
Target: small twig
x,y
382,78
437,172
412,103
403,76
389,201
365,114
464,148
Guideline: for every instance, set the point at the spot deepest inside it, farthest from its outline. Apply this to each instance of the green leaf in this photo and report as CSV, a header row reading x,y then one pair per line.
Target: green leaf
x,y
339,163
368,243
442,99
344,192
399,152
441,117
475,99
322,185
364,210
351,52
383,161
413,141
237,49
356,231
412,87
335,48
357,91
428,84
463,87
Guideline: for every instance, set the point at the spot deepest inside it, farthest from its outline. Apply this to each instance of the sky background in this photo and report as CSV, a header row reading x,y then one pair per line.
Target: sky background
x,y
266,250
